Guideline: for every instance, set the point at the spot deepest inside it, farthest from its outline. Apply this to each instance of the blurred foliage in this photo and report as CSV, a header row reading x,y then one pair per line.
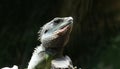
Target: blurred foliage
x,y
94,42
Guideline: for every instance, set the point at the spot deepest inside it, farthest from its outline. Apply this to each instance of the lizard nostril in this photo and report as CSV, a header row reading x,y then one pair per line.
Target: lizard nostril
x,y
70,21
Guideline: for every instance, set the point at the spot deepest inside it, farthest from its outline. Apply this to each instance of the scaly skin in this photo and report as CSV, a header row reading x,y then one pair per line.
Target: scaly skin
x,y
53,36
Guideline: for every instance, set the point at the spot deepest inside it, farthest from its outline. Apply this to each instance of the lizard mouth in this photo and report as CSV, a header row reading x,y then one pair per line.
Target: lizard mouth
x,y
63,30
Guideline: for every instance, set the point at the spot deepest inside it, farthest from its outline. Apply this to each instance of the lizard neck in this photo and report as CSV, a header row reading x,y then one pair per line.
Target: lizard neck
x,y
54,51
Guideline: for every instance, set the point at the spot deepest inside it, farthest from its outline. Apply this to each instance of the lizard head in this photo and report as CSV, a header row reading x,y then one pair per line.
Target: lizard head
x,y
56,32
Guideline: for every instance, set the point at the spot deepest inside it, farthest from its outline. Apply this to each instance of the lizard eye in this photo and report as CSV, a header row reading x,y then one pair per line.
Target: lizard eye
x,y
58,21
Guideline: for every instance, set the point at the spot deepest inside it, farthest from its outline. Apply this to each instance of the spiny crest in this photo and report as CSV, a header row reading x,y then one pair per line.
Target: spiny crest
x,y
38,50
39,33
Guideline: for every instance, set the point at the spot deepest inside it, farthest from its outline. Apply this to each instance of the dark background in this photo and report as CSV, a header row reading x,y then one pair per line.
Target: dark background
x,y
94,42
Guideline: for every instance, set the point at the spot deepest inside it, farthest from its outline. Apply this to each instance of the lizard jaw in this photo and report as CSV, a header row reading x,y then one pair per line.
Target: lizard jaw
x,y
63,30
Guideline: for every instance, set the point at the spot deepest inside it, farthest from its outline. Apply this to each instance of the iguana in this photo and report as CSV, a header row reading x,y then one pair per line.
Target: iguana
x,y
53,37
